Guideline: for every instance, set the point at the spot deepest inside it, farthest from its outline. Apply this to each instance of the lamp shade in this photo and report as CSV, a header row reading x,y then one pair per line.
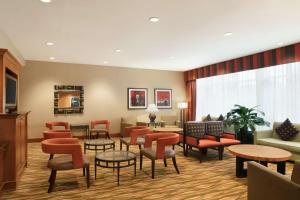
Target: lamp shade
x,y
182,105
152,108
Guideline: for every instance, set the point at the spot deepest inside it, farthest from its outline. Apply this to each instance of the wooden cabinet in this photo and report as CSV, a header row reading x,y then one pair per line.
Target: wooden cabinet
x,y
13,130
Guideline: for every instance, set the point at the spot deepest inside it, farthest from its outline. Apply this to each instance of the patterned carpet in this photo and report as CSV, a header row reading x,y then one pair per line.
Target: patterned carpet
x,y
210,180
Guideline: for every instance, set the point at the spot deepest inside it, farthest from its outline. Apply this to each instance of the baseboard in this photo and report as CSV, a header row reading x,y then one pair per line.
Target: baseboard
x,y
33,140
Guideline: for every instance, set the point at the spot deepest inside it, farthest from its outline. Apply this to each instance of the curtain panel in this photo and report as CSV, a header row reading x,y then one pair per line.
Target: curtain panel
x,y
191,99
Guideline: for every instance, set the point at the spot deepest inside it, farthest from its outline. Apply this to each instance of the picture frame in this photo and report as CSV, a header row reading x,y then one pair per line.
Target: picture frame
x,y
163,98
137,98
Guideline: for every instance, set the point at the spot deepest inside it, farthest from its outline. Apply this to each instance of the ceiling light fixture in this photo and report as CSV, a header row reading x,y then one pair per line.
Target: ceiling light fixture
x,y
49,43
228,34
153,19
46,1
118,50
52,58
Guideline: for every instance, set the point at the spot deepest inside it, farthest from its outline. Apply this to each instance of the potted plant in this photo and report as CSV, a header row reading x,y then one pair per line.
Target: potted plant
x,y
245,121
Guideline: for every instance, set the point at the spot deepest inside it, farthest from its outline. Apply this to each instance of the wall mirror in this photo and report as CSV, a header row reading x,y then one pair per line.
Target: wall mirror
x,y
68,99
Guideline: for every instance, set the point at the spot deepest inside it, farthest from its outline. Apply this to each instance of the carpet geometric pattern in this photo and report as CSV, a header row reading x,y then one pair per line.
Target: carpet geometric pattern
x,y
210,180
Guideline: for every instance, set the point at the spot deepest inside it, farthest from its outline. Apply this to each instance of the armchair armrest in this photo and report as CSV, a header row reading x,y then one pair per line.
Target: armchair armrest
x,y
279,186
135,133
262,134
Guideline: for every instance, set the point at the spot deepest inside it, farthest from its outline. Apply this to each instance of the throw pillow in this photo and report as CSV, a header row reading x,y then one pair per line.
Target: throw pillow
x,y
207,118
221,118
286,130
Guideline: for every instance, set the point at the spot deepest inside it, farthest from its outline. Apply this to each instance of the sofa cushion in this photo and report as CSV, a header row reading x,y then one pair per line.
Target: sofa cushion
x,y
129,120
287,145
286,131
207,118
169,119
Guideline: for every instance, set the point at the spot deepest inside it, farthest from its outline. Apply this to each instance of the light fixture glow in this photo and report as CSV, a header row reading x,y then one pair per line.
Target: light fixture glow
x,y
279,43
228,34
153,19
49,43
105,62
52,58
46,1
118,50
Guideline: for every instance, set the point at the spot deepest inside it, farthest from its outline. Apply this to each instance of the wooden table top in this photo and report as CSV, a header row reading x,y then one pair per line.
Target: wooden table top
x,y
259,152
167,129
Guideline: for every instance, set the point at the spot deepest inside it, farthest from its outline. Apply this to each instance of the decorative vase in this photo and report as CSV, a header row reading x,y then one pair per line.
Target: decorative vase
x,y
152,117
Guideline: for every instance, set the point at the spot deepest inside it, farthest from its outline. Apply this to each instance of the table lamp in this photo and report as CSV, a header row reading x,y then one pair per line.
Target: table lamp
x,y
152,109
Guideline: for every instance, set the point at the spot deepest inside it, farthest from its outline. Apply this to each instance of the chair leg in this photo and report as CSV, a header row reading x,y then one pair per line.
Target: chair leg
x,y
88,176
127,147
52,181
141,161
200,155
121,144
50,177
221,151
153,168
204,151
83,170
165,162
140,147
175,165
51,156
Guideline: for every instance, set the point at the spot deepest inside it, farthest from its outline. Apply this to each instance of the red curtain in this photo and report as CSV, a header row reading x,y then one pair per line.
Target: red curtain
x,y
191,99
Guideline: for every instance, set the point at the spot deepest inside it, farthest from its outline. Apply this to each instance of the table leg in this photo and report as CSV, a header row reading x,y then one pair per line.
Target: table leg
x,y
84,148
240,171
118,173
95,169
281,167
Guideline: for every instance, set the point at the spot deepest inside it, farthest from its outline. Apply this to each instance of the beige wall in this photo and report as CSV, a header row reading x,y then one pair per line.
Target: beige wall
x,y
105,91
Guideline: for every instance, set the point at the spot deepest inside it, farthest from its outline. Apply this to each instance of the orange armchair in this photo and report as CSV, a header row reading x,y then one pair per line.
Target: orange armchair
x,y
163,149
97,130
73,160
135,136
54,125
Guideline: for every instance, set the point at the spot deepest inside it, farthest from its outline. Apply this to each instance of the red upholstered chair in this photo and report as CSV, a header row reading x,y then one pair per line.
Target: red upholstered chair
x,y
195,136
74,159
56,134
163,149
135,136
55,125
215,130
100,126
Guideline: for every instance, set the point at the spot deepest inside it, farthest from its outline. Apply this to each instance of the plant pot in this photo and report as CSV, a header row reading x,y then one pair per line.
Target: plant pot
x,y
245,137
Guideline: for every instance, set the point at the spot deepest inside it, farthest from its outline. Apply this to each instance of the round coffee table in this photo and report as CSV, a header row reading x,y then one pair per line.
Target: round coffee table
x,y
259,153
98,144
115,160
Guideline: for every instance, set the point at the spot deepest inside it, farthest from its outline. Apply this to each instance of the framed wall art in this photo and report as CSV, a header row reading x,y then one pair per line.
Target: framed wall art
x,y
163,98
137,98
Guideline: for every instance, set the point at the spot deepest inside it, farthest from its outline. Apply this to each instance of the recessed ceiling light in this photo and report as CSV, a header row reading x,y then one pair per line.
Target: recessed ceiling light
x,y
52,58
50,43
118,50
153,19
46,1
228,34
105,62
279,43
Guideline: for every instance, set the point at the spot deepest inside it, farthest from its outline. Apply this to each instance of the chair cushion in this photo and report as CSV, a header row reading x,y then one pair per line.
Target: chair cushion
x,y
151,153
126,140
287,145
228,142
65,162
286,131
205,143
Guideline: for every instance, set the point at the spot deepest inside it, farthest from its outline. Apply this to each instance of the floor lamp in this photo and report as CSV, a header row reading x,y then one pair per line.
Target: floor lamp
x,y
182,106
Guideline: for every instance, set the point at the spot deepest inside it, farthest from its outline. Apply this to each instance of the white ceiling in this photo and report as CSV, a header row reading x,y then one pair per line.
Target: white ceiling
x,y
190,33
